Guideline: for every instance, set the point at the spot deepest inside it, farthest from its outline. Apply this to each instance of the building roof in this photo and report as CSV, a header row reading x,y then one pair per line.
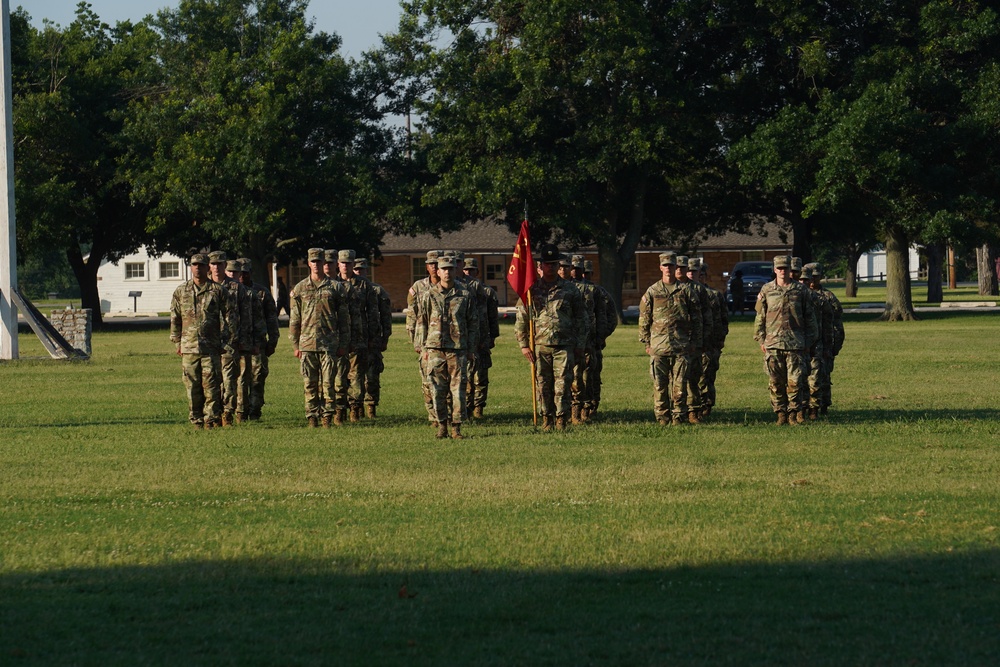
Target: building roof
x,y
489,237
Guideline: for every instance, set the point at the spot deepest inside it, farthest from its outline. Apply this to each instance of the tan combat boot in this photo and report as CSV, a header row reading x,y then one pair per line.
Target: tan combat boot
x,y
355,413
338,416
327,420
584,414
370,410
782,419
575,414
442,431
561,423
813,414
663,421
312,422
227,418
693,417
546,423
676,420
456,432
477,412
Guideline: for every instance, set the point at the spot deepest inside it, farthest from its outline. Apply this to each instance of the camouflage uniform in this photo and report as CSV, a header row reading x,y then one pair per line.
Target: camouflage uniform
x,y
198,316
670,325
704,301
610,324
446,330
241,342
412,305
366,333
265,314
318,327
713,346
560,323
786,326
838,343
583,371
487,302
376,361
831,326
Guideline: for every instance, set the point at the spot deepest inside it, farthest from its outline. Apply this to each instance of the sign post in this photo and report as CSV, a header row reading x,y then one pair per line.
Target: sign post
x,y
8,230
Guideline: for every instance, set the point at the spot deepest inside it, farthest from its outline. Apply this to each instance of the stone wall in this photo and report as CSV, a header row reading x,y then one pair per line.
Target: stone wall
x,y
75,325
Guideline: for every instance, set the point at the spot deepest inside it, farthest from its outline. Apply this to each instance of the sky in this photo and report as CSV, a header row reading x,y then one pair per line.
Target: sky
x,y
358,22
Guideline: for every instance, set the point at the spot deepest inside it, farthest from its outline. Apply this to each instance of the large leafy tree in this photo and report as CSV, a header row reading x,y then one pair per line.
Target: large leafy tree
x,y
261,139
601,115
71,86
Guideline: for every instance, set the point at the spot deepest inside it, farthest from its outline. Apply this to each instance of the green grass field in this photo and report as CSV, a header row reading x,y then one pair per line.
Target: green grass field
x,y
127,538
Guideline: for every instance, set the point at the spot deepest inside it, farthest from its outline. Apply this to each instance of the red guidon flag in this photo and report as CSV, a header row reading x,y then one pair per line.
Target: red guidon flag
x,y
521,274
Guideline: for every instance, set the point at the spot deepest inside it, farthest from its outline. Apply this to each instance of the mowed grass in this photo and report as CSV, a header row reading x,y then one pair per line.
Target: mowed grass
x,y
126,537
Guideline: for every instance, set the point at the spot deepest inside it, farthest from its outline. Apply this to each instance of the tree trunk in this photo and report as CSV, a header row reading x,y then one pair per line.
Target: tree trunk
x,y
616,250
854,253
86,278
935,272
802,238
898,296
986,268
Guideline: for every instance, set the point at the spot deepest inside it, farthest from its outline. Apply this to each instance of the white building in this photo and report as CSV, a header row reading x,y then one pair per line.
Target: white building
x,y
872,268
155,278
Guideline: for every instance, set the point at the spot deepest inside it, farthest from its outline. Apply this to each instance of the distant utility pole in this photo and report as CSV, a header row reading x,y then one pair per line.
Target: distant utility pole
x,y
8,230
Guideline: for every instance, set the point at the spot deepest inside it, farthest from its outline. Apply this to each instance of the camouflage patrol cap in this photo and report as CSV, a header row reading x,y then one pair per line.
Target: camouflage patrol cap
x,y
694,264
216,257
245,264
668,258
548,254
199,258
361,263
446,262
682,261
346,256
588,266
807,271
577,261
315,254
817,270
330,256
564,260
796,264
459,255
234,266
432,257
471,264
782,262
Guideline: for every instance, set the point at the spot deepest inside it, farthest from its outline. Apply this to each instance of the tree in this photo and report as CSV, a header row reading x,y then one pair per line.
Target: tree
x,y
261,139
71,87
601,115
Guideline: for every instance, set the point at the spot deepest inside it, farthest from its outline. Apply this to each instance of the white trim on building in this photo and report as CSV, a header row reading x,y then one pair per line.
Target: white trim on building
x,y
872,267
155,277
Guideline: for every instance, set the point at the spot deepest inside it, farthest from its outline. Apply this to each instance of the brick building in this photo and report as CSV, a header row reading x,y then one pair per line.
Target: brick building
x,y
402,260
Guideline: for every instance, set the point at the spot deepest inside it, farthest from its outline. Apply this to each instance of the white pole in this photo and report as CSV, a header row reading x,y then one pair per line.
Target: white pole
x,y
8,230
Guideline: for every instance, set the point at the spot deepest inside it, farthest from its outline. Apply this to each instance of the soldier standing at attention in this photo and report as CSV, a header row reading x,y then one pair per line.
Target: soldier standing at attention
x,y
366,334
785,328
489,330
445,336
198,316
560,324
610,324
697,270
836,340
412,303
265,314
320,330
376,360
241,336
243,359
671,329
583,373
700,293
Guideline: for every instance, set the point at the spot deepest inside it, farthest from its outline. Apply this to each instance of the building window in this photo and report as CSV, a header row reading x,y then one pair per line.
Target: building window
x,y
630,281
496,271
134,270
418,268
170,270
751,255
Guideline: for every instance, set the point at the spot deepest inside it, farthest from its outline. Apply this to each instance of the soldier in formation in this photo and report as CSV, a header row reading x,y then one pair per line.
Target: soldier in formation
x,y
786,329
199,312
412,303
265,327
376,359
671,329
446,335
831,340
366,334
320,331
700,293
596,368
558,317
715,336
597,332
489,330
240,342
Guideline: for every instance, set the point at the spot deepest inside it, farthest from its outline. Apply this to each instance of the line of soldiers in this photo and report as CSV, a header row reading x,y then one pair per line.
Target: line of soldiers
x,y
800,329
568,319
225,327
683,324
452,320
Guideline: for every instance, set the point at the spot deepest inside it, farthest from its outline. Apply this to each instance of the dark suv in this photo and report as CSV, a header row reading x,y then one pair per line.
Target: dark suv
x,y
755,274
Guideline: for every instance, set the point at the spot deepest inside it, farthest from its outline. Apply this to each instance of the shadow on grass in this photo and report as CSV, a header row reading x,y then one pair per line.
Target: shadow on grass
x,y
934,610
